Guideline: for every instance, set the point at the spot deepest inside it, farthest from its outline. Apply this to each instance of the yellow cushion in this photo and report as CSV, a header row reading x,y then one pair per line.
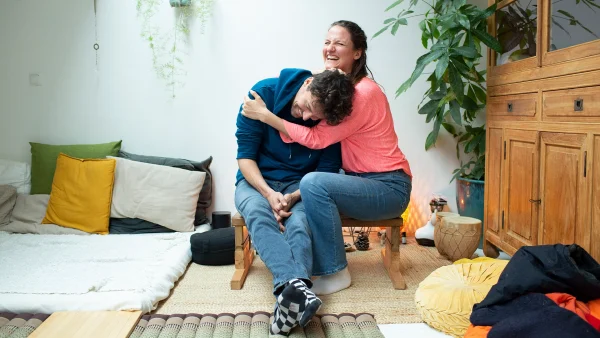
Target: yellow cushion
x,y
81,194
446,297
474,260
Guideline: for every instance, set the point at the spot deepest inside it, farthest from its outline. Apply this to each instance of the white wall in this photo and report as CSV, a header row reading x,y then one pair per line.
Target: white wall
x,y
244,41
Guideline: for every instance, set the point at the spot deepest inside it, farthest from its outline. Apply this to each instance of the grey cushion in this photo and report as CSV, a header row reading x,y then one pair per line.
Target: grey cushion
x,y
205,196
122,226
8,198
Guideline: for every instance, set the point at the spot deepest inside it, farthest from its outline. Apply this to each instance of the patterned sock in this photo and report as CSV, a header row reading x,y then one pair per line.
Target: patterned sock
x,y
290,306
312,305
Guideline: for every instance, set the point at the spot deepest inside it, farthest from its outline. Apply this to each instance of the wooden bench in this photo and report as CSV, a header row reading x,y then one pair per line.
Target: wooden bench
x,y
244,254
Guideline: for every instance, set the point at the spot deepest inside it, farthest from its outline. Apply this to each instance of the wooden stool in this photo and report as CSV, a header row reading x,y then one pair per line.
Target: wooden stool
x,y
244,254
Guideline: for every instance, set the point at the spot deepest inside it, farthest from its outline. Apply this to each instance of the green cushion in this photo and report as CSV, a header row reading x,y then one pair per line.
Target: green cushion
x,y
43,160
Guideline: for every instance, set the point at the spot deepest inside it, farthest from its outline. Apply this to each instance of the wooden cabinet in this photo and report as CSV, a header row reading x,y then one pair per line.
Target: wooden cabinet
x,y
543,129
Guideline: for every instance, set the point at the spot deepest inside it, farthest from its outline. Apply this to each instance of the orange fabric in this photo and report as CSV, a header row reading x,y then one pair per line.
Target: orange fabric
x,y
477,331
593,321
570,303
594,306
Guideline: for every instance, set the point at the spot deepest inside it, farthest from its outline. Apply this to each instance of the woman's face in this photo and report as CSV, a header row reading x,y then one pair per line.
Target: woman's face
x,y
338,50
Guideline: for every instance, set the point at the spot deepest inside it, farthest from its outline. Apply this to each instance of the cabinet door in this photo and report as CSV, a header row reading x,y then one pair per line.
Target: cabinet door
x,y
493,182
521,180
595,206
563,185
571,31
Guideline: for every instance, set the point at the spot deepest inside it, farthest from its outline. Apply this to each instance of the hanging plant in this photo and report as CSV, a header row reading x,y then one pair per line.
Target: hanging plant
x,y
168,45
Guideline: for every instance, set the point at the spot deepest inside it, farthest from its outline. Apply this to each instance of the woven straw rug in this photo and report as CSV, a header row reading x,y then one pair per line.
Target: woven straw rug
x,y
205,289
21,325
252,325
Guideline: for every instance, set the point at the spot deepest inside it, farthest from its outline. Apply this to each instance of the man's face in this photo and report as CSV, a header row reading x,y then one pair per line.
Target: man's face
x,y
305,106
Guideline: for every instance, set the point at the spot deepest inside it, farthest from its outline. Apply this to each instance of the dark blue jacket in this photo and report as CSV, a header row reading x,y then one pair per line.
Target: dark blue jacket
x,y
260,142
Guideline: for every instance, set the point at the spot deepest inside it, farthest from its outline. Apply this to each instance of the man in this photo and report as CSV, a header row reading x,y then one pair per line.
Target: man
x,y
267,188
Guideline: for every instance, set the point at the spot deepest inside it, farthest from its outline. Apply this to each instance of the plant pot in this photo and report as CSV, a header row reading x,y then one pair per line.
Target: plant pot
x,y
469,200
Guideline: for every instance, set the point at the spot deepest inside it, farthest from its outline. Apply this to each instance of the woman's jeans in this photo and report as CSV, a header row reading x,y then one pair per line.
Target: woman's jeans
x,y
287,255
368,196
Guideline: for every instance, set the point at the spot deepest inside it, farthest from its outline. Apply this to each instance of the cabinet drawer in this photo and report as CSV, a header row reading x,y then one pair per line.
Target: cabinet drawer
x,y
522,105
581,104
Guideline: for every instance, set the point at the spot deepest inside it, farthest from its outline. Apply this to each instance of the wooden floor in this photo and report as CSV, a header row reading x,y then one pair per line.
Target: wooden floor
x,y
91,324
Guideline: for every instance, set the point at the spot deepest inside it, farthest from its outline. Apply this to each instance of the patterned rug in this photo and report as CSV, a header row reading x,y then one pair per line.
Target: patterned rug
x,y
224,325
252,325
19,326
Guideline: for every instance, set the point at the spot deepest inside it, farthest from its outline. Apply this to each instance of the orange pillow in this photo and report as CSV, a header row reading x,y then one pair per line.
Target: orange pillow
x,y
81,194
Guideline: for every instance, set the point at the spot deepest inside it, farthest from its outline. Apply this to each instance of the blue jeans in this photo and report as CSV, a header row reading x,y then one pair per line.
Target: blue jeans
x,y
369,197
287,255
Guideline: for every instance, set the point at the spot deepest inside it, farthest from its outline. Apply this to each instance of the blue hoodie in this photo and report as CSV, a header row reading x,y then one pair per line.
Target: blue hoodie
x,y
260,142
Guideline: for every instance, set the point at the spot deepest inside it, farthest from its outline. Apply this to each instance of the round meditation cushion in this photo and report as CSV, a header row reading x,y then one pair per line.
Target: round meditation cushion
x,y
446,297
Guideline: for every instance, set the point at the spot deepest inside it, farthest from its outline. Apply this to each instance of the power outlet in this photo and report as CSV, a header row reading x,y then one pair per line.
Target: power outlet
x,y
35,79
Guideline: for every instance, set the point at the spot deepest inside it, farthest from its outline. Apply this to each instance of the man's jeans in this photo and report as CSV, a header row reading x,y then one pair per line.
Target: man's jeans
x,y
369,197
287,255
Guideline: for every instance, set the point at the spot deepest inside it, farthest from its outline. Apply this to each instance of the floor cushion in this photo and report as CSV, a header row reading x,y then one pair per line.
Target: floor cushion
x,y
214,247
446,297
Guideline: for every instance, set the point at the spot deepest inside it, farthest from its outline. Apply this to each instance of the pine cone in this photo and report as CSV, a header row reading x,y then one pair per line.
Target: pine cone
x,y
362,242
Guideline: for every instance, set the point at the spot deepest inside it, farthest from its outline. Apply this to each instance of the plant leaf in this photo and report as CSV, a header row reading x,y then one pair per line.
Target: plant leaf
x,y
468,52
480,94
381,31
464,21
456,83
389,20
468,104
432,137
393,5
485,14
459,3
421,63
560,26
566,13
441,67
450,128
397,24
488,40
455,112
428,107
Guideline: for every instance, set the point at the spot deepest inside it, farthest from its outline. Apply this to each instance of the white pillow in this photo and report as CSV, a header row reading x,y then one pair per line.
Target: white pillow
x,y
159,194
16,174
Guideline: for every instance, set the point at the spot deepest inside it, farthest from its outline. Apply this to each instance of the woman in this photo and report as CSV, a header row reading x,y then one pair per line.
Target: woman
x,y
377,180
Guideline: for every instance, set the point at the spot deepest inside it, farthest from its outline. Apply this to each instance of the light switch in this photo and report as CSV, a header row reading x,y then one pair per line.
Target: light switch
x,y
35,79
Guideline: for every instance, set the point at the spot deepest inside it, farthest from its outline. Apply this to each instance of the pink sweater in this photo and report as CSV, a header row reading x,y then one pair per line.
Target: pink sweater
x,y
368,139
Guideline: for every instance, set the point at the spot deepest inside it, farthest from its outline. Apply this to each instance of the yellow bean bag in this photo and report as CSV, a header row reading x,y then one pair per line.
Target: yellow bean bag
x,y
446,297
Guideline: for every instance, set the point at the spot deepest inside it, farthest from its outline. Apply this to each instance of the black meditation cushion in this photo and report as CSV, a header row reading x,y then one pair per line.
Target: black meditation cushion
x,y
214,247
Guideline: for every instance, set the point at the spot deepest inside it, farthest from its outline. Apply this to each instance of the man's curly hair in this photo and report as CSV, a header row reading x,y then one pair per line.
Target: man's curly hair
x,y
333,92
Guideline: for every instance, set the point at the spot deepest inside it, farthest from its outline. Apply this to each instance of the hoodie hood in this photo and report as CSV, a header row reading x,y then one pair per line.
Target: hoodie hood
x,y
290,81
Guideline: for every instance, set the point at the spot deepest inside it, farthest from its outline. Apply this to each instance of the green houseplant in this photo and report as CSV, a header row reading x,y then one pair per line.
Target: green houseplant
x,y
167,44
453,32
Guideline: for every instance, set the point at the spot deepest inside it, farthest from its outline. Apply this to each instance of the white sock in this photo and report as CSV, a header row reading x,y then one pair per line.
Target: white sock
x,y
325,285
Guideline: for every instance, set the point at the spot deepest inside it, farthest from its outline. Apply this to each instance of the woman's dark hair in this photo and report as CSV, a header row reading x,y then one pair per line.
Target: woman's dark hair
x,y
333,92
359,40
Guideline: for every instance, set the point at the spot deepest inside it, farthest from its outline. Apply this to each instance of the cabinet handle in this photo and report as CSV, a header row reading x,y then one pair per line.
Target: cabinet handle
x,y
509,107
585,163
578,105
535,201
